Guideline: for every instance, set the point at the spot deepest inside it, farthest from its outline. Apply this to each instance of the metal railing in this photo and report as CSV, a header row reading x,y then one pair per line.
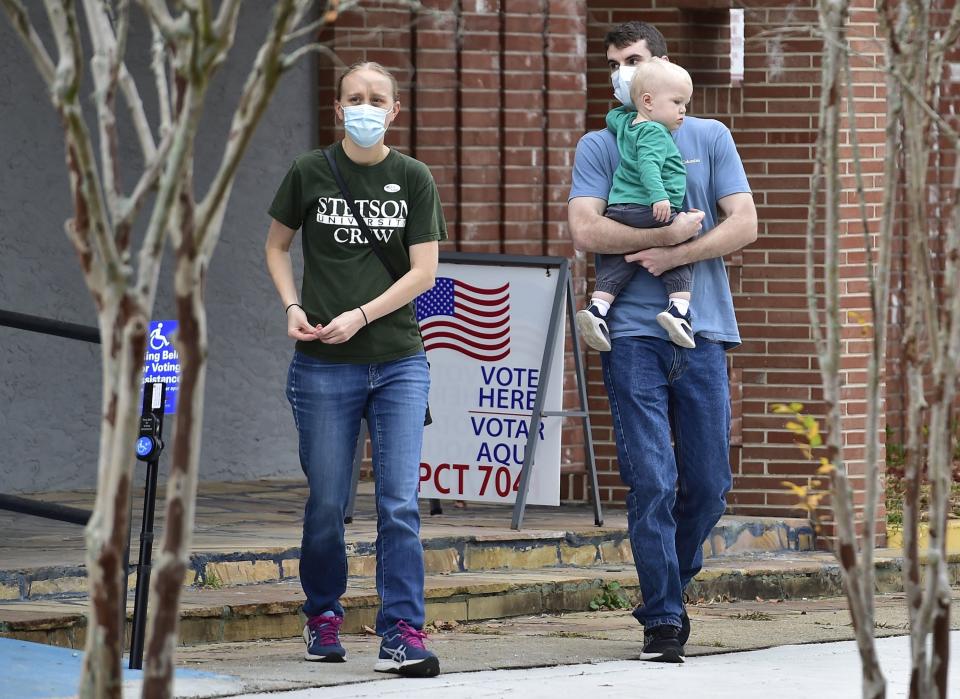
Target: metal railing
x,y
72,331
73,515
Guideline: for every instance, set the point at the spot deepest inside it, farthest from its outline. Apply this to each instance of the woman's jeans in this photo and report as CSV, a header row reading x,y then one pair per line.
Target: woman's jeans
x,y
328,401
677,490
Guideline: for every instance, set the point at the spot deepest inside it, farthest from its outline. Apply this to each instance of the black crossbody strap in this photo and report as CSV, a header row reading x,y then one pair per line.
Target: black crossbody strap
x,y
375,244
368,234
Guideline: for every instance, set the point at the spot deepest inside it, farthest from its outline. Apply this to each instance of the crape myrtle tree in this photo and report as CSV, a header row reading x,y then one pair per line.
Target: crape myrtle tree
x,y
191,42
918,205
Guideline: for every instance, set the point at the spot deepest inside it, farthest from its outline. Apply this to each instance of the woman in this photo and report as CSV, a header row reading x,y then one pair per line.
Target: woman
x,y
359,354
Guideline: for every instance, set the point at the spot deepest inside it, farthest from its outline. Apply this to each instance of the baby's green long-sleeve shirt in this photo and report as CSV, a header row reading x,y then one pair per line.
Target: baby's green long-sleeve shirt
x,y
651,167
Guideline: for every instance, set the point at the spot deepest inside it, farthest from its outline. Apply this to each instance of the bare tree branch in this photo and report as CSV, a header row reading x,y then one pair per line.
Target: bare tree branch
x,y
138,114
170,183
21,22
224,33
910,89
226,16
261,82
878,300
105,64
914,62
122,24
147,183
289,60
63,22
171,29
90,230
933,616
330,14
158,64
205,14
951,34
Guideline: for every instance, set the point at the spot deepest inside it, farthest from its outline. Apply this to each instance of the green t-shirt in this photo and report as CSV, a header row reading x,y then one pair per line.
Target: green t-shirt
x,y
399,201
651,167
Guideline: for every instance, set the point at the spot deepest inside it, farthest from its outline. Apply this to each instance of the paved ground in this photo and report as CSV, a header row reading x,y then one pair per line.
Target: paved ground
x,y
238,669
232,516
550,640
269,515
825,671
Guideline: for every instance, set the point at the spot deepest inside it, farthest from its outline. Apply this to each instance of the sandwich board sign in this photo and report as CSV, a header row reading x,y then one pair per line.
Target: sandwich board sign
x,y
485,325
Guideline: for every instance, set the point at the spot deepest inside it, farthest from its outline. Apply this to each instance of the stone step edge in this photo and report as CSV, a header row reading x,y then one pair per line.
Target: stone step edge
x,y
605,546
478,601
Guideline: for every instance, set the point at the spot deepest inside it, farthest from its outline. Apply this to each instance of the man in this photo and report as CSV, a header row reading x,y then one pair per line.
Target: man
x,y
659,391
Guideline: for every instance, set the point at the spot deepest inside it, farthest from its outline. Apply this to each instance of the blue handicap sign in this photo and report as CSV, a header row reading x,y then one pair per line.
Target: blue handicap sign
x,y
144,446
161,361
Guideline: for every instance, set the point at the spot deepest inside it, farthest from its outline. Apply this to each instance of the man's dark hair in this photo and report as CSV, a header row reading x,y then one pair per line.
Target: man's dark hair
x,y
628,33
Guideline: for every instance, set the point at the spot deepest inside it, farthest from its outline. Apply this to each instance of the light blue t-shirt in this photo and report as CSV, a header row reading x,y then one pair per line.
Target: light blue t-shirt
x,y
714,171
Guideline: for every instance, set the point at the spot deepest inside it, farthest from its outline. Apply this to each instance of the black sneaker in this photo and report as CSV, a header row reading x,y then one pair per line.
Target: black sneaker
x,y
593,328
677,325
661,644
684,634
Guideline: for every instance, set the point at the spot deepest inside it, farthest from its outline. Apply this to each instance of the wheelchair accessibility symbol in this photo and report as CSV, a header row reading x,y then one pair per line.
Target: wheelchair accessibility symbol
x,y
157,339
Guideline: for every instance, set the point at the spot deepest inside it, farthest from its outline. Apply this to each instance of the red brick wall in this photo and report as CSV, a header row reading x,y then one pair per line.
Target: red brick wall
x,y
772,115
492,99
698,39
495,97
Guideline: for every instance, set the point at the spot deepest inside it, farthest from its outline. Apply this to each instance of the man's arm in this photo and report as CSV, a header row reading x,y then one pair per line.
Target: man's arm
x,y
738,230
593,232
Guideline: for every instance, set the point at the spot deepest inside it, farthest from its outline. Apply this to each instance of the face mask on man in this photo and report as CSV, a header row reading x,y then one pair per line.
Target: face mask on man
x,y
621,79
365,124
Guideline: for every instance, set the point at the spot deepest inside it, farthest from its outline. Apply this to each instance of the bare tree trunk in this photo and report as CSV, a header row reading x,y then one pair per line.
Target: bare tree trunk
x,y
878,279
196,234
191,46
182,483
917,42
833,16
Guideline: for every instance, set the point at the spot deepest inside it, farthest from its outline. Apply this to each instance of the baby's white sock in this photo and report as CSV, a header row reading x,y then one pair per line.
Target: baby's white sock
x,y
681,304
602,306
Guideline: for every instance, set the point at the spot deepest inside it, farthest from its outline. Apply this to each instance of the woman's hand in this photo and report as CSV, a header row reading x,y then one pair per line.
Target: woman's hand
x,y
341,328
298,327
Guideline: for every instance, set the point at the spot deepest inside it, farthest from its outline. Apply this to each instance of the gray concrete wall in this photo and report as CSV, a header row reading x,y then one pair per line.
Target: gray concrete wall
x,y
50,387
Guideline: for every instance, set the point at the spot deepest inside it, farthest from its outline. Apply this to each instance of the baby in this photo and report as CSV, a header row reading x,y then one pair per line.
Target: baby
x,y
648,190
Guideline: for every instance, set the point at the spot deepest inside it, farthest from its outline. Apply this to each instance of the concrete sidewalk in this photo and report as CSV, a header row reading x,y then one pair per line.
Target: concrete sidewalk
x,y
544,641
243,584
825,671
238,669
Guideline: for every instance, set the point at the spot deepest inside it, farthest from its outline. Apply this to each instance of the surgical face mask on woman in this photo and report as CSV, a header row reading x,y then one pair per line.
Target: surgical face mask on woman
x,y
621,78
365,124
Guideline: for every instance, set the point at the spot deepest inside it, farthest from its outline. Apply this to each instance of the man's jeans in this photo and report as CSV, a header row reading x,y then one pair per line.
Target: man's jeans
x,y
328,401
676,492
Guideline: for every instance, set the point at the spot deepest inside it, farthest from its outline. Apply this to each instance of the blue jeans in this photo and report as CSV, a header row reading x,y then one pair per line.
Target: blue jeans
x,y
328,401
676,492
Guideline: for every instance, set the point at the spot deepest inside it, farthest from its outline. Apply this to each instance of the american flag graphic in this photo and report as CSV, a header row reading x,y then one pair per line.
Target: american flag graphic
x,y
472,320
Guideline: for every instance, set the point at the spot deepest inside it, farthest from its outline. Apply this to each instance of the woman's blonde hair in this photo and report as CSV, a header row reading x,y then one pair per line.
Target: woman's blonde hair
x,y
368,65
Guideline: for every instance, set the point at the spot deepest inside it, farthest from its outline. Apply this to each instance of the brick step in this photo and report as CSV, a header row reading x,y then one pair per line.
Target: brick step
x,y
273,609
497,550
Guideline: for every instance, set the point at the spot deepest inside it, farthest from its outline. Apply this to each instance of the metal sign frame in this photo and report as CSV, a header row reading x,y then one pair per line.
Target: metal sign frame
x,y
563,296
